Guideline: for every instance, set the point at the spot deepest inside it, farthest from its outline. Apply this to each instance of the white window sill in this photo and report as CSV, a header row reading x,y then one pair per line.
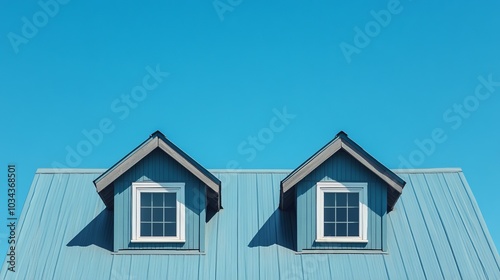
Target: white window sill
x,y
157,240
341,240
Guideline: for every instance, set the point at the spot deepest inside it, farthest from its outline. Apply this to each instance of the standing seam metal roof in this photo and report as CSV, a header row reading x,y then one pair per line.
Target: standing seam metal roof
x,y
436,231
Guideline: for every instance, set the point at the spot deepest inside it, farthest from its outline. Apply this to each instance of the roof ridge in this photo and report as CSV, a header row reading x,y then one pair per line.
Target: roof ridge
x,y
270,170
428,170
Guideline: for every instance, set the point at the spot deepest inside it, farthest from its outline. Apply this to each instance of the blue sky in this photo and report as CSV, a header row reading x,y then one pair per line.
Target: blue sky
x,y
416,83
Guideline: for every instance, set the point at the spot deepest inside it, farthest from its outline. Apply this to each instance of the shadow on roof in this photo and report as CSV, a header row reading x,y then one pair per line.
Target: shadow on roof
x,y
279,229
98,232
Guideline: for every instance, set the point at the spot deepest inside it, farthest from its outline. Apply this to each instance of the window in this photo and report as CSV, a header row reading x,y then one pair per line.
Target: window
x,y
158,212
341,212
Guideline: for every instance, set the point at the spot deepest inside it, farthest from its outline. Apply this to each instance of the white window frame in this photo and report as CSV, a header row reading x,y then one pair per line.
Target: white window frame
x,y
338,187
153,187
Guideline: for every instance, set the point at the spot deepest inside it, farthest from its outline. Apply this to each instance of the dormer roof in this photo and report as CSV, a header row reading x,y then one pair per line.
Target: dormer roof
x,y
343,142
158,141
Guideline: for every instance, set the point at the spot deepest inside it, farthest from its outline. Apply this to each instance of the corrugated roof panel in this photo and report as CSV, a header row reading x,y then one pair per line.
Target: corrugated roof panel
x,y
475,238
433,226
401,244
452,231
268,190
226,232
248,264
375,266
418,233
436,231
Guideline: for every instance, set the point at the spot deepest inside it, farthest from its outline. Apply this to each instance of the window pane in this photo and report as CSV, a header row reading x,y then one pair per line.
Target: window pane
x,y
353,229
145,229
170,199
170,214
353,199
341,215
353,214
145,199
341,229
329,229
145,214
329,199
157,199
158,214
329,214
170,229
158,229
341,199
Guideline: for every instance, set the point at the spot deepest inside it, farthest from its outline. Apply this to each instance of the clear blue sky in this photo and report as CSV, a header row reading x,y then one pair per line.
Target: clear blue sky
x,y
391,74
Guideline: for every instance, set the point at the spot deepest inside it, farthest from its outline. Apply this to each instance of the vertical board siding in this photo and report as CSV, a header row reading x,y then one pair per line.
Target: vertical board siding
x,y
159,167
341,167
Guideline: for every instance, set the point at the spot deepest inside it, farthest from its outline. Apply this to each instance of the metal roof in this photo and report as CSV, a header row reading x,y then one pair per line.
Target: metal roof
x,y
436,231
343,142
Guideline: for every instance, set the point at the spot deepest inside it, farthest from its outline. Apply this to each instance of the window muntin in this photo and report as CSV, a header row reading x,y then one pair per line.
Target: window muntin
x,y
158,212
341,212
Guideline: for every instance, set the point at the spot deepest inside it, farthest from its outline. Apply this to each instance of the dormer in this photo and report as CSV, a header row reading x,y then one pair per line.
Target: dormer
x,y
341,197
159,197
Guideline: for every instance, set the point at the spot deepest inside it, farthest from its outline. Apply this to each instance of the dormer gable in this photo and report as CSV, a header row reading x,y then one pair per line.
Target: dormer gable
x,y
157,140
342,142
341,197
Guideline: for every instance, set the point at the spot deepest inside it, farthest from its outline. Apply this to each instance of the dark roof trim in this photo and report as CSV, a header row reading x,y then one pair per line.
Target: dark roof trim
x,y
342,141
157,140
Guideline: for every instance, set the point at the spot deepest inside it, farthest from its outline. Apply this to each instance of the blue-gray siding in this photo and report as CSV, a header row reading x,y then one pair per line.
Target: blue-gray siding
x,y
341,167
159,167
